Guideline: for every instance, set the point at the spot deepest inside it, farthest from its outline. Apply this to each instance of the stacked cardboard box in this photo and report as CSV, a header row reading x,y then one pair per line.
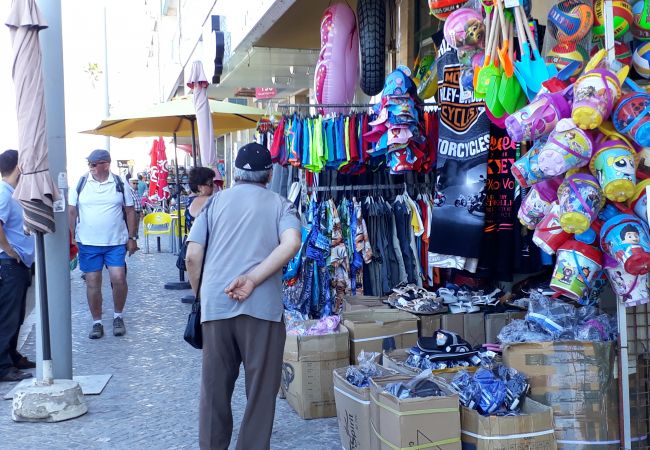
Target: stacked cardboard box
x,y
362,302
307,371
470,327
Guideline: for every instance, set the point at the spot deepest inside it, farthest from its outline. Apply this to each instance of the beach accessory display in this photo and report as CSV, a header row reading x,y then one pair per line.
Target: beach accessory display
x,y
568,147
538,118
621,50
639,201
623,18
576,266
632,290
641,20
581,199
569,21
614,165
625,239
631,117
641,60
565,53
537,203
464,29
526,169
549,235
441,9
594,96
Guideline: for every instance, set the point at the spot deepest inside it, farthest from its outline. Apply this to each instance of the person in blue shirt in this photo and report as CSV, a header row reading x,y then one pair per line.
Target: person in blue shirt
x,y
142,186
16,258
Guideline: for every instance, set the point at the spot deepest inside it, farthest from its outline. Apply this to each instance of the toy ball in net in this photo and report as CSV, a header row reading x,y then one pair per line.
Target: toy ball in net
x,y
641,21
641,60
464,29
622,50
441,9
569,21
623,18
564,54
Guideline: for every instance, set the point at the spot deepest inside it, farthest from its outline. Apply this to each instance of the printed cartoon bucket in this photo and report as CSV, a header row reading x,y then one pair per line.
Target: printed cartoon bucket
x,y
594,96
632,117
625,239
615,167
580,201
538,118
526,169
577,264
639,201
537,203
568,147
549,235
632,290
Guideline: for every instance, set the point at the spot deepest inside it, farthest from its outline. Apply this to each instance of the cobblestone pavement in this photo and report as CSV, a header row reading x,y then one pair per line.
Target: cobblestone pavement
x,y
152,399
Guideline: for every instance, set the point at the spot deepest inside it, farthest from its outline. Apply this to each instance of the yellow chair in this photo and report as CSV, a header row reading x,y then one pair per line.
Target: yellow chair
x,y
158,224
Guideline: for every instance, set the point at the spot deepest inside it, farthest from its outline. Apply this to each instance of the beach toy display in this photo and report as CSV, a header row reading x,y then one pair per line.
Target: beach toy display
x,y
641,60
576,266
526,169
568,147
549,235
538,118
614,165
594,96
631,117
537,203
569,21
564,54
623,18
580,201
639,201
441,9
622,51
641,20
624,238
464,29
629,289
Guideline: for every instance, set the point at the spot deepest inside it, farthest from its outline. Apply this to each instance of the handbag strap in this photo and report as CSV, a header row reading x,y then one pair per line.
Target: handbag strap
x,y
206,209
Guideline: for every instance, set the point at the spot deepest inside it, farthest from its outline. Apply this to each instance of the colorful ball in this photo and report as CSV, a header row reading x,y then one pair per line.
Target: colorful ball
x,y
464,29
441,9
641,22
570,22
565,53
623,18
622,50
641,60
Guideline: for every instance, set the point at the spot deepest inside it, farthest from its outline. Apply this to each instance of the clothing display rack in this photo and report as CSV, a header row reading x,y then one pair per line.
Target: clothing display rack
x,y
325,105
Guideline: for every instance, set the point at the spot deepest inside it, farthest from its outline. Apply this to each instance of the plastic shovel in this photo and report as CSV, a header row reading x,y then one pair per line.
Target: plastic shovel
x,y
540,71
523,66
489,69
494,83
510,90
493,100
479,89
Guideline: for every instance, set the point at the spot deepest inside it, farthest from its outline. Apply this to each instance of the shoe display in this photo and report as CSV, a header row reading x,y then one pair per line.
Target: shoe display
x,y
15,375
97,331
119,329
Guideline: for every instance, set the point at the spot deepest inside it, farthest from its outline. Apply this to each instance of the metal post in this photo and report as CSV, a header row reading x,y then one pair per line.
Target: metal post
x,y
56,245
195,153
107,108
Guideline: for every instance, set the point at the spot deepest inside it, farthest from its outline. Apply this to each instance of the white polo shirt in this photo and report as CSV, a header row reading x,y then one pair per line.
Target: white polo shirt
x,y
101,220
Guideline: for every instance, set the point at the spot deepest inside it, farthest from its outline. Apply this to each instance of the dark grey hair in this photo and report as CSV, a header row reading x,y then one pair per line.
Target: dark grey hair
x,y
253,176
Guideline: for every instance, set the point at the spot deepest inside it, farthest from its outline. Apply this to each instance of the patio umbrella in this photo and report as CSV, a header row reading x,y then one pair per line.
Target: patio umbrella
x,y
36,190
153,169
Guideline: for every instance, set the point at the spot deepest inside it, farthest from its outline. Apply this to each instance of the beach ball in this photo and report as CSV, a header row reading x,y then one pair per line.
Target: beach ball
x,y
441,9
622,18
622,50
569,21
641,21
641,60
464,29
564,53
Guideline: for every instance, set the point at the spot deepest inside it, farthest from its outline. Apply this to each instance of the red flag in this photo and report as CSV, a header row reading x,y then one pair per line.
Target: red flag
x,y
153,169
163,171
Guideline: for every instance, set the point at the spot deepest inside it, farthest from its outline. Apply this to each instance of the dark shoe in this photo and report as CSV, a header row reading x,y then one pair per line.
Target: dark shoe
x,y
97,331
118,327
24,363
15,375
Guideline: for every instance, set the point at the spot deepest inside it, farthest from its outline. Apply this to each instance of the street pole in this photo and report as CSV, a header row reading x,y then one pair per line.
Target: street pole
x,y
107,107
57,244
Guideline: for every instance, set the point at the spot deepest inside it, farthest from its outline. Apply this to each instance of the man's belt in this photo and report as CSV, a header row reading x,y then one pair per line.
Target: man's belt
x,y
10,262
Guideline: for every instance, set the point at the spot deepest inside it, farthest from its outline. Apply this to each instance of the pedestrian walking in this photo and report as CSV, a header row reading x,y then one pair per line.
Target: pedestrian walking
x,y
142,186
103,221
16,258
243,236
201,181
137,204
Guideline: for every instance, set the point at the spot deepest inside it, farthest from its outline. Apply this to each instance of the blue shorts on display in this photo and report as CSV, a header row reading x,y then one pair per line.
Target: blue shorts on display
x,y
93,258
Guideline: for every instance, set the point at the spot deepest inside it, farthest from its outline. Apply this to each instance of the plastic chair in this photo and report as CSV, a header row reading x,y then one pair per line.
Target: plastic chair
x,y
157,224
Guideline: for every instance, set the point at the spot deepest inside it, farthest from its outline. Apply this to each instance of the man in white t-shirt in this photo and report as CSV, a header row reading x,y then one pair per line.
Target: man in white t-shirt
x,y
104,225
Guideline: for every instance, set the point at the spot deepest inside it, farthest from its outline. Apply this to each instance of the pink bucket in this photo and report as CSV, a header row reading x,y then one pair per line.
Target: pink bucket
x,y
538,118
568,147
632,290
537,203
549,235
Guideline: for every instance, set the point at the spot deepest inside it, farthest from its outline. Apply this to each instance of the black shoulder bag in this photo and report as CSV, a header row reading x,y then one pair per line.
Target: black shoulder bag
x,y
193,333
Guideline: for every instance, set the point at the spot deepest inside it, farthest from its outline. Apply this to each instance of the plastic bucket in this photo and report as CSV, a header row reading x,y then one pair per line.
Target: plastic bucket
x,y
632,117
568,147
625,239
594,96
639,201
538,118
632,290
614,164
537,203
549,235
526,169
576,265
580,201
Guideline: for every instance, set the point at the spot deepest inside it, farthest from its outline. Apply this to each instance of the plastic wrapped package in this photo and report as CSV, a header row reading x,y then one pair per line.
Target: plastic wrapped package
x,y
367,368
468,389
420,386
492,393
326,325
599,328
553,316
522,331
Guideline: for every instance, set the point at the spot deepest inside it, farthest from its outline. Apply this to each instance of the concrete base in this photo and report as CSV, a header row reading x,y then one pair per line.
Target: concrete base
x,y
61,400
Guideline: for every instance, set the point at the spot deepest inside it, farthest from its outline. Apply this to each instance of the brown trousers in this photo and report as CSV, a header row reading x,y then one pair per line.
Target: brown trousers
x,y
227,343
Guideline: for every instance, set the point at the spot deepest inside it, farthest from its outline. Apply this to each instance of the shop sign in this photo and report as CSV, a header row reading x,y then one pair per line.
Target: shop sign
x,y
264,93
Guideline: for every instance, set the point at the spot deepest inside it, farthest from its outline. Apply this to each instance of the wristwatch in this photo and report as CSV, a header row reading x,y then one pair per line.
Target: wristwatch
x,y
135,238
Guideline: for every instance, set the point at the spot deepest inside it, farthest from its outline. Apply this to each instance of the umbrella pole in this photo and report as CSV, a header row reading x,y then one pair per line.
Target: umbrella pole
x,y
48,374
195,154
181,284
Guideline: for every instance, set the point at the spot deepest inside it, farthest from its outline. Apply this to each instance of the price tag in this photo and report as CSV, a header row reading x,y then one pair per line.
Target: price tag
x,y
512,3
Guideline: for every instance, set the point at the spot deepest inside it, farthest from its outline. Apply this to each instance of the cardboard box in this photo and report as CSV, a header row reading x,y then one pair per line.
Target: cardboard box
x,y
375,330
532,430
353,410
362,302
428,422
469,326
577,380
495,322
307,371
429,324
396,360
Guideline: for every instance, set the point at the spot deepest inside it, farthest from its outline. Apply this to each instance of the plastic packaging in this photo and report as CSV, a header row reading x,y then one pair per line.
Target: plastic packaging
x,y
554,317
522,331
298,327
420,386
466,388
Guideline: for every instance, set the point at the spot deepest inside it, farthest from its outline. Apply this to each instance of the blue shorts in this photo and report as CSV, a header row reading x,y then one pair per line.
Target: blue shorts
x,y
93,258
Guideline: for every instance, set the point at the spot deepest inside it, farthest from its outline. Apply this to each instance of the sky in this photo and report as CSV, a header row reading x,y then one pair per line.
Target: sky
x,y
130,82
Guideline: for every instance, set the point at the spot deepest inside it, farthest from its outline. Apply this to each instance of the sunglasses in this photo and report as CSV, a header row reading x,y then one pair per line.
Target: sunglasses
x,y
97,163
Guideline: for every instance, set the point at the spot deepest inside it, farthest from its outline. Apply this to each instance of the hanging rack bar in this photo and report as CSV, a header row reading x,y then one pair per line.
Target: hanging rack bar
x,y
364,187
325,105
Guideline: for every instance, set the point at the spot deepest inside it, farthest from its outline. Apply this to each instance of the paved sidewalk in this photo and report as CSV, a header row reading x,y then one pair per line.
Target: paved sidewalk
x,y
152,399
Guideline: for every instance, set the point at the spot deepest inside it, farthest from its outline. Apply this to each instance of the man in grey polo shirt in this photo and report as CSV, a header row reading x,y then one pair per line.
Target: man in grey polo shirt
x,y
253,233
